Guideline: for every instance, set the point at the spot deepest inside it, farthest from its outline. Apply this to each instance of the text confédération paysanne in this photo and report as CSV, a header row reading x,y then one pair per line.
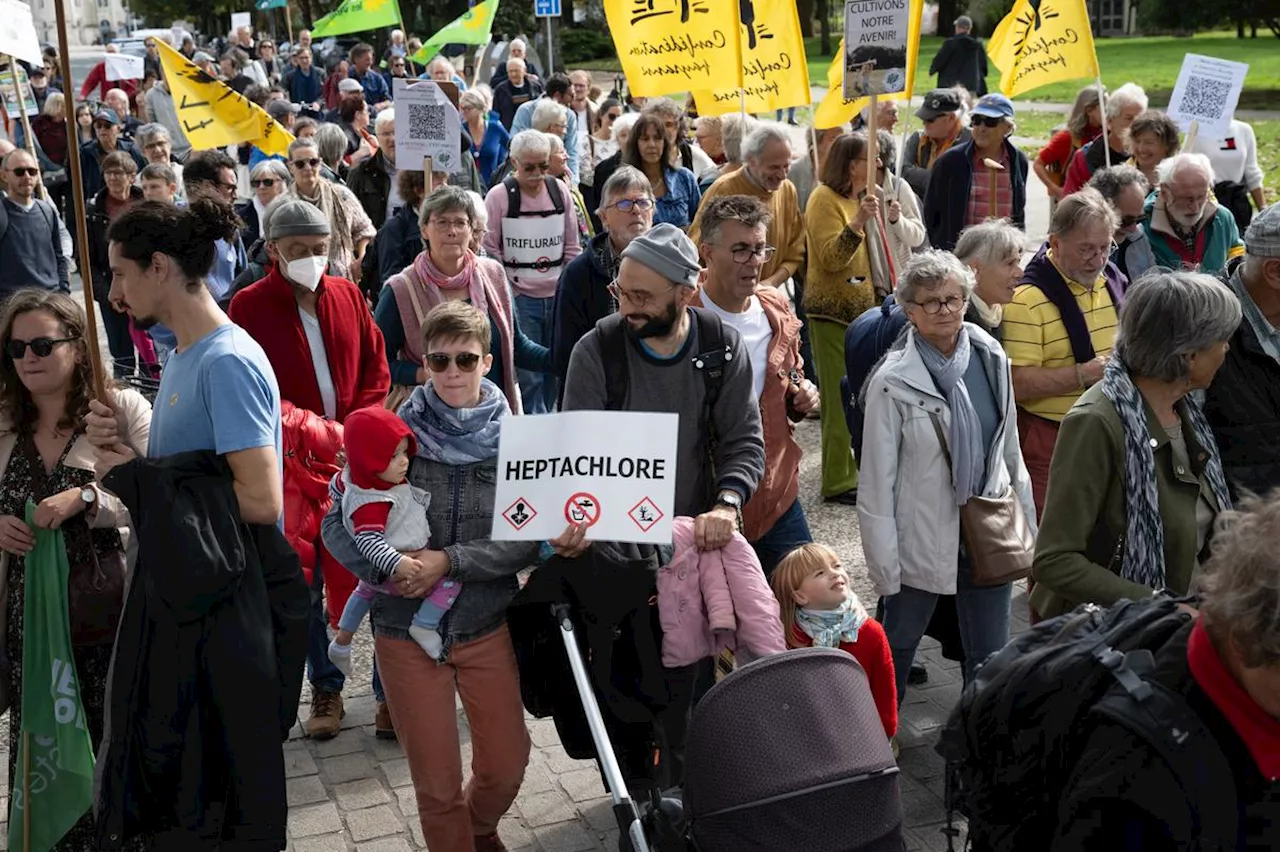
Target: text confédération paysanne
x,y
609,467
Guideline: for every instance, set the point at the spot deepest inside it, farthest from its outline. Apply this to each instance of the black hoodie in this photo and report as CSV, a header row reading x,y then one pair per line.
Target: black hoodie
x,y
962,61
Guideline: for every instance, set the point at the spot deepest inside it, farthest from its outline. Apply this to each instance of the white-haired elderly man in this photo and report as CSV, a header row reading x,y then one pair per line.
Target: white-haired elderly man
x,y
514,91
533,230
517,50
1187,228
766,159
373,181
1123,106
1243,403
118,100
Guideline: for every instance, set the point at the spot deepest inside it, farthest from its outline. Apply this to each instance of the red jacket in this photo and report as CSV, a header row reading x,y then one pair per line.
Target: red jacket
x,y
98,77
352,342
874,655
312,446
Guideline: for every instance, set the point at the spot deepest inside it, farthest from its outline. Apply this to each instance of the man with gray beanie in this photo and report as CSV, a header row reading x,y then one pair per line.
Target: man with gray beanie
x,y
329,359
1243,403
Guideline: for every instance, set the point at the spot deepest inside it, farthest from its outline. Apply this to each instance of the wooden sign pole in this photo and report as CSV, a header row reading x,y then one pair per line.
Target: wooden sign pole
x,y
82,224
26,122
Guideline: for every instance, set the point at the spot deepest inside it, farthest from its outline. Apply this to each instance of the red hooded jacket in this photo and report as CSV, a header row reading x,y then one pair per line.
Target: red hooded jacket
x,y
312,446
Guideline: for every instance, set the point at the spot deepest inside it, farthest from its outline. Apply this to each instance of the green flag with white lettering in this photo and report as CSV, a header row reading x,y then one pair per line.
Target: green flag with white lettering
x,y
52,785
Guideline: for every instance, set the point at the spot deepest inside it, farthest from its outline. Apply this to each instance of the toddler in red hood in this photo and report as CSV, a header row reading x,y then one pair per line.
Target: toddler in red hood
x,y
388,518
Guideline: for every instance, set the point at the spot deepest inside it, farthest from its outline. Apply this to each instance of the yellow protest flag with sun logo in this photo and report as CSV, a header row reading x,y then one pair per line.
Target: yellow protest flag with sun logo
x,y
670,46
471,27
775,72
357,16
213,115
835,109
1041,42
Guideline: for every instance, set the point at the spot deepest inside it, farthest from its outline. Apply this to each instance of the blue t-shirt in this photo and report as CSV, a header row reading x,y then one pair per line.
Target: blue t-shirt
x,y
220,395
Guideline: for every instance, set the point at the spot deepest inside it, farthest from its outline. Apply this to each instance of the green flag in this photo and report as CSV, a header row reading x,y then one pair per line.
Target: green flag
x,y
53,783
472,27
357,16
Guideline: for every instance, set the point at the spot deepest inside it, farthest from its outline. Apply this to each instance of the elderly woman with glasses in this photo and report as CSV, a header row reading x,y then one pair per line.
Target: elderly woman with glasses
x,y
979,179
1137,479
941,419
447,269
269,180
350,225
156,145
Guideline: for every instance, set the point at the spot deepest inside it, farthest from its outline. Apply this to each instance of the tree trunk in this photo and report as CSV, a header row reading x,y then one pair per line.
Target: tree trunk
x,y
824,25
804,8
1240,29
948,11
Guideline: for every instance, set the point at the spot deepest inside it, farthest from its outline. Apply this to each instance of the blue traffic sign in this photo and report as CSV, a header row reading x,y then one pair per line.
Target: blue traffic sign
x,y
546,8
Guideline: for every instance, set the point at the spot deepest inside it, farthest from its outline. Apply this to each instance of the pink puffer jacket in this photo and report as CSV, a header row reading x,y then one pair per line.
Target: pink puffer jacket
x,y
715,600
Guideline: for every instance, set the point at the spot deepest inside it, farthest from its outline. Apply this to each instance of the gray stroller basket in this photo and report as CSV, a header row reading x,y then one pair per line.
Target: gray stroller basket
x,y
789,753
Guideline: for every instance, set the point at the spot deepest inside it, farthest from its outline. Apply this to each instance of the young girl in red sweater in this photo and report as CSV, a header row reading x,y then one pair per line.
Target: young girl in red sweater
x,y
819,608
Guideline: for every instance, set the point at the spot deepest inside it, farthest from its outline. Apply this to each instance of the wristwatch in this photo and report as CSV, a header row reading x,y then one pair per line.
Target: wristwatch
x,y
734,500
88,495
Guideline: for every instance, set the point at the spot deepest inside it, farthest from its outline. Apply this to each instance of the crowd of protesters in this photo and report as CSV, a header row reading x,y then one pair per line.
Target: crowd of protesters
x,y
1119,388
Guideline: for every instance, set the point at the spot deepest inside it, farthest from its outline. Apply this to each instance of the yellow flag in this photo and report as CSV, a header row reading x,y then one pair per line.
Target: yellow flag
x,y
670,46
774,68
1041,42
835,109
212,114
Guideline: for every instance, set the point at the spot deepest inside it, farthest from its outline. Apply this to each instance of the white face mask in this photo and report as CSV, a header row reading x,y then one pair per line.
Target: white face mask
x,y
306,271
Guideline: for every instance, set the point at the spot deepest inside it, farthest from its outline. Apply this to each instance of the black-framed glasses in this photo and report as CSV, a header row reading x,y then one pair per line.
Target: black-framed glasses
x,y
313,162
953,304
438,362
626,205
639,298
985,121
532,168
25,171
42,346
257,182
746,253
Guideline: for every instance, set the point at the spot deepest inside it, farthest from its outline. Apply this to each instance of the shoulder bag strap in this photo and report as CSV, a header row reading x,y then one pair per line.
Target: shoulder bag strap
x,y
942,439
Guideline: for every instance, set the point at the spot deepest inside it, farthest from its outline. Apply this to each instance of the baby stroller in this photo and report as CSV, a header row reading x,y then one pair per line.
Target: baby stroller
x,y
789,753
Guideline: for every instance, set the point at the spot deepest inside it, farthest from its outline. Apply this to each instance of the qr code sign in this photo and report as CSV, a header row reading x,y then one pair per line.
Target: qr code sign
x,y
1205,97
426,121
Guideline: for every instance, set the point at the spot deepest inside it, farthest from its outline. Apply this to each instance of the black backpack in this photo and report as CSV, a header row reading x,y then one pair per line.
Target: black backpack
x,y
1012,741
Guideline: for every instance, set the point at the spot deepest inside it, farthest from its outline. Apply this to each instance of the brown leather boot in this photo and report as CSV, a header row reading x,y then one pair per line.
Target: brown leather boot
x,y
489,843
326,715
383,727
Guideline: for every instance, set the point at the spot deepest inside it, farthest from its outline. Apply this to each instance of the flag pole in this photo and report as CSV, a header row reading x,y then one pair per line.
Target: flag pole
x,y
1191,134
1102,111
288,24
813,141
872,143
26,122
82,224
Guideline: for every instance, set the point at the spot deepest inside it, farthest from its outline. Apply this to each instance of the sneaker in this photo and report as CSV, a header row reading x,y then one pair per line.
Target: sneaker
x,y
326,715
846,498
489,843
383,727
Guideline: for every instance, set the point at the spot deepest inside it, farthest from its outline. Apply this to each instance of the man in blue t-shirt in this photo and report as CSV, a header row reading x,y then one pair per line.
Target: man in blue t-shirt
x,y
218,391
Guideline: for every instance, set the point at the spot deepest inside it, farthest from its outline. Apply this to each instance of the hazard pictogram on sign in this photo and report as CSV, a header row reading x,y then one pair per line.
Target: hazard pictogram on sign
x,y
645,514
519,513
582,508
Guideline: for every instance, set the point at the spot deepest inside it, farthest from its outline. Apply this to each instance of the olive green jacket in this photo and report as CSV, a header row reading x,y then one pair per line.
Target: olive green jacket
x,y
1080,546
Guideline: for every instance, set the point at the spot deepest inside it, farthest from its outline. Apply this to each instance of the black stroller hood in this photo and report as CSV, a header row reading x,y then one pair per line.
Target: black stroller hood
x,y
789,753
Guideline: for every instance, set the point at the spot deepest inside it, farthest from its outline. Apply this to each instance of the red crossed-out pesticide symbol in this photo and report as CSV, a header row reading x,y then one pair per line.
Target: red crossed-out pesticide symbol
x,y
582,508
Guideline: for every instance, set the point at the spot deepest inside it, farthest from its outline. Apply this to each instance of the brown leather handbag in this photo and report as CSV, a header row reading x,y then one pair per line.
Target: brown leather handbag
x,y
995,532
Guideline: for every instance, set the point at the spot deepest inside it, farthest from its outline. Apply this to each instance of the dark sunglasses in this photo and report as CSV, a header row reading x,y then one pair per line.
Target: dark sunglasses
x,y
42,346
985,121
313,162
25,171
440,361
265,181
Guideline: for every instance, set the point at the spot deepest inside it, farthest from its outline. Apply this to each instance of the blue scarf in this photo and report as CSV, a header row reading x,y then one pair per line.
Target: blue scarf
x,y
456,435
829,627
968,456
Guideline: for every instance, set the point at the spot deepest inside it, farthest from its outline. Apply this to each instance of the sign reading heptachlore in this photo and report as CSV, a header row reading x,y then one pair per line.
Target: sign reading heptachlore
x,y
614,471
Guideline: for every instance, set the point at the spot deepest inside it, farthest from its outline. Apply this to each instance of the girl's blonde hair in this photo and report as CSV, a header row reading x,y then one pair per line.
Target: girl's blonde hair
x,y
792,570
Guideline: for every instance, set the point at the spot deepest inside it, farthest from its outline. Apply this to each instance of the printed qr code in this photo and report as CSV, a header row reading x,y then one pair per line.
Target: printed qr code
x,y
426,121
1205,97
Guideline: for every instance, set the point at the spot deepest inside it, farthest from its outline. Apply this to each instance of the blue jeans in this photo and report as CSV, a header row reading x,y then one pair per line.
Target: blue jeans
x,y
982,611
538,390
787,533
322,673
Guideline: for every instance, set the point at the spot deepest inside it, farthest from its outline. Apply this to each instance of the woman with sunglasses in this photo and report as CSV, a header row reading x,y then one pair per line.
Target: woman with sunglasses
x,y
119,172
269,180
446,270
46,459
983,178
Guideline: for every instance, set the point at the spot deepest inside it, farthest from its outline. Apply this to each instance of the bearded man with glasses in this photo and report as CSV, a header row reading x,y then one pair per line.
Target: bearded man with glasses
x,y
1187,227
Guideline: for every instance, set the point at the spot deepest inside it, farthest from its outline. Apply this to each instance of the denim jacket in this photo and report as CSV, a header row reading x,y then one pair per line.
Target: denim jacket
x,y
461,516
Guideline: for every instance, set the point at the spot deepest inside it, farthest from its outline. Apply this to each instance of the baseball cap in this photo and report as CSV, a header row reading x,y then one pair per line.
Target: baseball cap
x,y
1262,238
278,109
349,85
994,106
107,115
938,102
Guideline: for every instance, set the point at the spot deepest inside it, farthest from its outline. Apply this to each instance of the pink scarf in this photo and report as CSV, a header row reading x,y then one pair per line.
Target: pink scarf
x,y
467,279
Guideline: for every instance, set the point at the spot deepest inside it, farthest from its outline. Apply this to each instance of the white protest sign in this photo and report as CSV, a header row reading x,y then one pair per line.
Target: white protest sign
x,y
241,19
122,66
18,32
875,47
614,470
1206,93
427,125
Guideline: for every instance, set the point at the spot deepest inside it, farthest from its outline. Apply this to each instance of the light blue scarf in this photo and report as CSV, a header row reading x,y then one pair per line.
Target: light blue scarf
x,y
456,435
829,627
968,456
